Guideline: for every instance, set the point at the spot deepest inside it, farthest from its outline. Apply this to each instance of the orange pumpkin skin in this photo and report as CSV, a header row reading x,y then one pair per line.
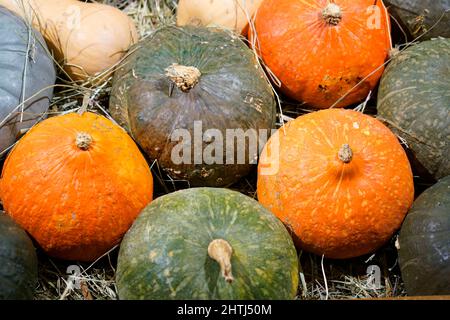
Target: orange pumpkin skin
x,y
336,208
320,62
76,197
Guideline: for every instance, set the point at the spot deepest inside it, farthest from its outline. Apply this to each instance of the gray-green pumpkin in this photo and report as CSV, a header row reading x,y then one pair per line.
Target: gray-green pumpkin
x,y
207,243
414,99
18,262
422,18
179,79
424,243
27,75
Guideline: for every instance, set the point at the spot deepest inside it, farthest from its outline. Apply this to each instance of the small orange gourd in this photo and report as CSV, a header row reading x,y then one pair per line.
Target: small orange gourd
x,y
76,183
339,179
325,53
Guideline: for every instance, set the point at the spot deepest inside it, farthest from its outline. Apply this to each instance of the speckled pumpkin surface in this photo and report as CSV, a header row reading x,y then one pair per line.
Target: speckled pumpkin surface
x,y
424,243
167,254
180,76
82,182
339,179
422,18
18,261
325,53
414,99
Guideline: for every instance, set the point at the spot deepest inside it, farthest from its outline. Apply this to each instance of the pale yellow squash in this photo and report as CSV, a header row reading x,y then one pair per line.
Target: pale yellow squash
x,y
229,14
87,38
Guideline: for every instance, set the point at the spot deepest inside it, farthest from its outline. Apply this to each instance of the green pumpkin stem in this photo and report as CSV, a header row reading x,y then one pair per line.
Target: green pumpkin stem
x,y
345,154
220,250
184,77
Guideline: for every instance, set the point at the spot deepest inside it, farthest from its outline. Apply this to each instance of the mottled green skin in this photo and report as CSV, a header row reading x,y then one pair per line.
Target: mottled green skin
x,y
424,253
164,255
232,93
18,262
414,99
419,16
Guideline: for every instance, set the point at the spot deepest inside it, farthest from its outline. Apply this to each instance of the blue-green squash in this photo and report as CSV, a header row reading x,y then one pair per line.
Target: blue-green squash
x,y
414,100
424,243
18,262
207,243
422,18
27,74
180,79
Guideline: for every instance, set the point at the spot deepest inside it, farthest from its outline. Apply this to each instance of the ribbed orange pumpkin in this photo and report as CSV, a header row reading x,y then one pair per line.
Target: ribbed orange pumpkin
x,y
76,183
339,179
321,49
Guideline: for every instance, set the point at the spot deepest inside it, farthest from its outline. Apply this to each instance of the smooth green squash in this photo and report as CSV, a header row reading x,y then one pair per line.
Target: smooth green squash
x,y
207,243
424,243
27,78
18,262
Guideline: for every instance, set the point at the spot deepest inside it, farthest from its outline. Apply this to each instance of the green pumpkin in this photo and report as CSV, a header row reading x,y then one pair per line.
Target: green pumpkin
x,y
414,99
27,74
207,243
18,262
422,18
179,76
424,243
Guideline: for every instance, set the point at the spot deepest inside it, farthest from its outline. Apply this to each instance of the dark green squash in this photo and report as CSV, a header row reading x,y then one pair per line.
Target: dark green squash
x,y
424,243
417,17
27,72
414,99
178,76
18,262
167,252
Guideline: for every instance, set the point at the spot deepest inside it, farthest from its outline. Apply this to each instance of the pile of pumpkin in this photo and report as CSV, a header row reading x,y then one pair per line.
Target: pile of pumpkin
x,y
335,182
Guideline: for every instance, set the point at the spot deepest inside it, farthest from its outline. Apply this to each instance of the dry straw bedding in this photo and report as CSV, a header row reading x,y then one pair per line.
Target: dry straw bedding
x,y
320,278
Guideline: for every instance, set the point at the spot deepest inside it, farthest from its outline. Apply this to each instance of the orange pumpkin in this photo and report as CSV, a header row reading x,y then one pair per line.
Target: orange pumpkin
x,y
322,50
76,183
339,179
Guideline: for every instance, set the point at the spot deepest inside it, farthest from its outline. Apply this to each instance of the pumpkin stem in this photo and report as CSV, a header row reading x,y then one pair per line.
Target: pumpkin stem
x,y
185,78
220,250
345,154
332,14
83,140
